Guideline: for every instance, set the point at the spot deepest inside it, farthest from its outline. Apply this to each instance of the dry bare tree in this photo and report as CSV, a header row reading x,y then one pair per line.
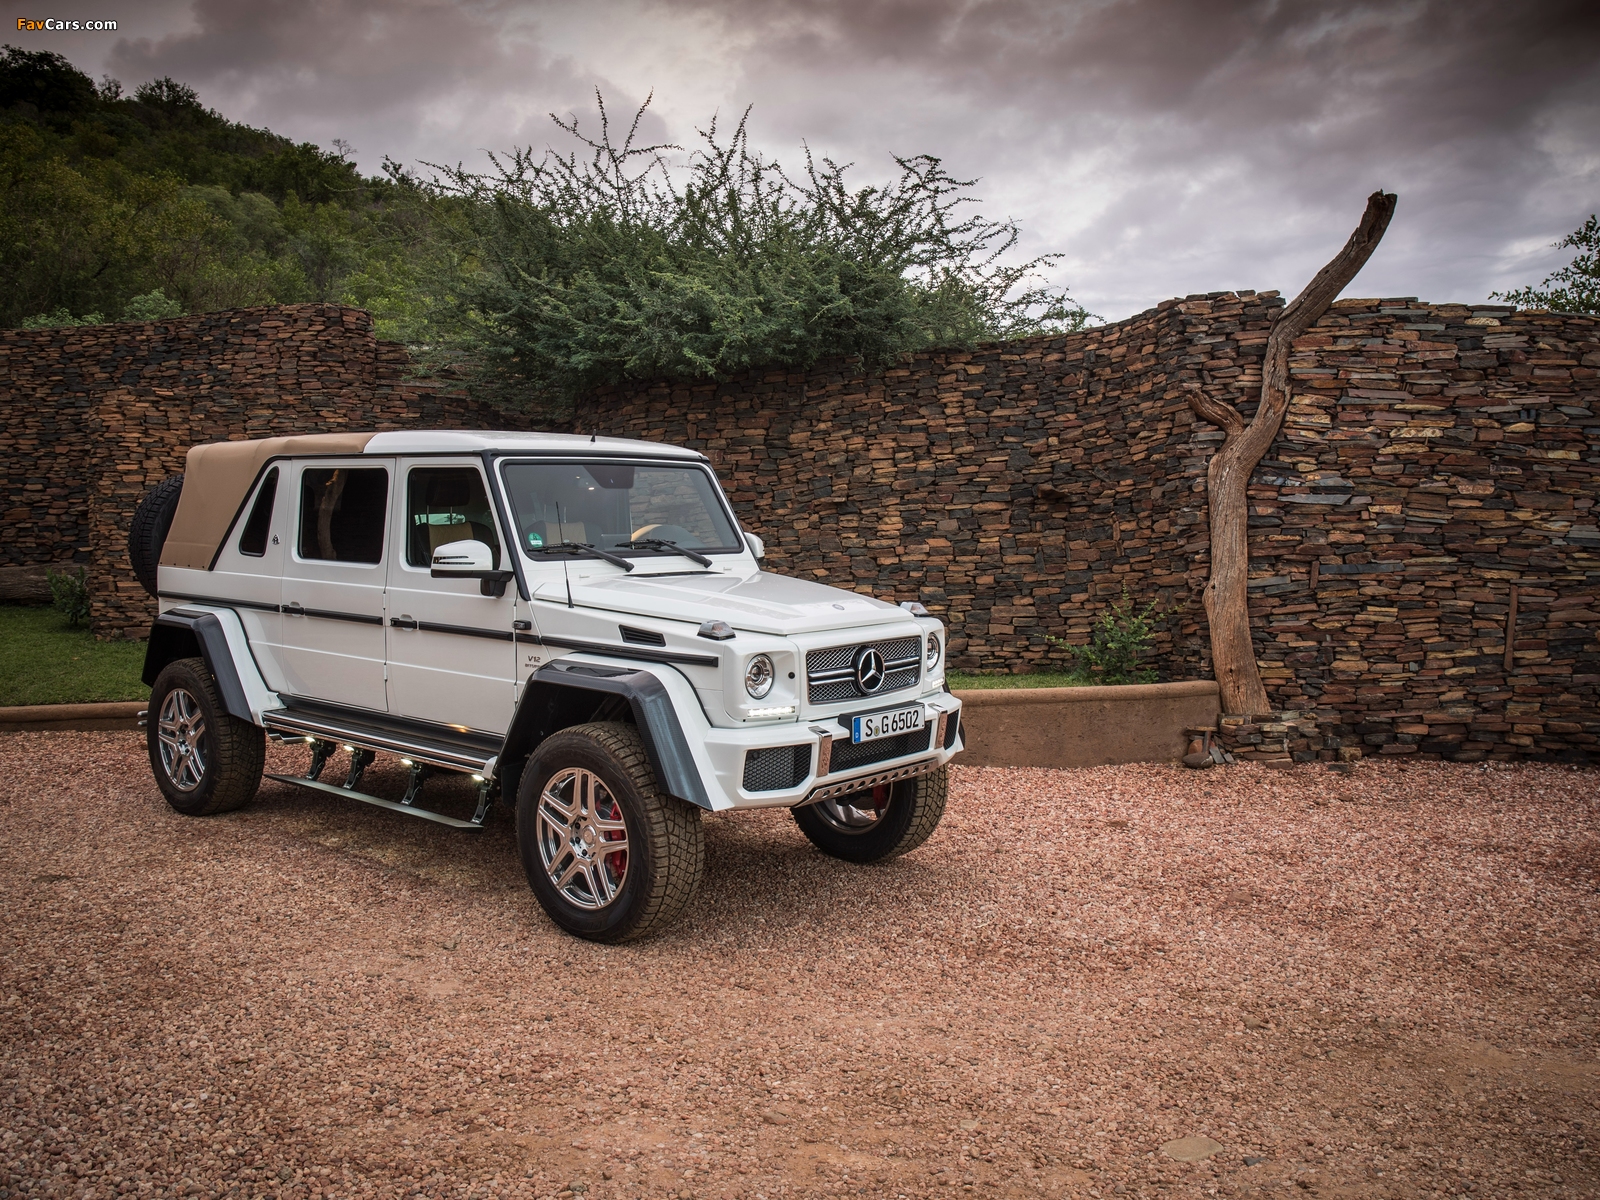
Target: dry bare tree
x,y
1233,655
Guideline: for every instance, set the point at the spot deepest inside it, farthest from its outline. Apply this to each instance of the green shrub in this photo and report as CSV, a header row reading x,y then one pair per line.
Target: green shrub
x,y
152,306
1118,640
69,595
61,318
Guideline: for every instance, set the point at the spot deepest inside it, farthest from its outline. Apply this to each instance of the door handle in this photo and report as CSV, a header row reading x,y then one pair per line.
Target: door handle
x,y
294,610
403,622
522,626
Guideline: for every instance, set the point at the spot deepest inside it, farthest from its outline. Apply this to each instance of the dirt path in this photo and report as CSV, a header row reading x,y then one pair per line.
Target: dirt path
x,y
1375,985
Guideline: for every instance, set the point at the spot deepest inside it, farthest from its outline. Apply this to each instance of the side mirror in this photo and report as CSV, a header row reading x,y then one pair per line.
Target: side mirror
x,y
470,560
757,546
462,556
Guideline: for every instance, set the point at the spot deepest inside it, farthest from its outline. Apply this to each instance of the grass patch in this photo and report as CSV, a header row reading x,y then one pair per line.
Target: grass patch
x,y
48,662
1039,679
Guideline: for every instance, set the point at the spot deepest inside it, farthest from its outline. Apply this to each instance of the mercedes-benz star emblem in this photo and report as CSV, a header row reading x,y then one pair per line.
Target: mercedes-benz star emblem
x,y
869,670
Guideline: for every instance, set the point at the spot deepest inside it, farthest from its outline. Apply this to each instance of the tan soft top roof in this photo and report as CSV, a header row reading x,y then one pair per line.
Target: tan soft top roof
x,y
217,478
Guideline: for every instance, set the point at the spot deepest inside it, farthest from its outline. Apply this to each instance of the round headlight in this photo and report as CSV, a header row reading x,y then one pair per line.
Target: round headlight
x,y
758,676
933,651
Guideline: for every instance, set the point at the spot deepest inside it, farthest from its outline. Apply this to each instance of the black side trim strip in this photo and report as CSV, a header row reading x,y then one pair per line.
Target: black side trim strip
x,y
220,603
499,635
294,610
636,652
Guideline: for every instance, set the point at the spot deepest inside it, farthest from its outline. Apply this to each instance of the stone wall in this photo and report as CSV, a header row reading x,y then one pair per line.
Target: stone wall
x,y
1436,472
91,418
1437,461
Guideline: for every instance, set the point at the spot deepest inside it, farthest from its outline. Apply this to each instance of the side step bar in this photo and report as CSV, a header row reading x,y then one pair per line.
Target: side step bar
x,y
394,805
426,755
437,753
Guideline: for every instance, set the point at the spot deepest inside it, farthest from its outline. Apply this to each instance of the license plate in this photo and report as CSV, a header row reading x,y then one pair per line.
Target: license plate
x,y
891,722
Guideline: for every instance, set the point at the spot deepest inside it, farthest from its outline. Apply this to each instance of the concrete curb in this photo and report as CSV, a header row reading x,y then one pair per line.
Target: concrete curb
x,y
1003,727
35,718
1084,726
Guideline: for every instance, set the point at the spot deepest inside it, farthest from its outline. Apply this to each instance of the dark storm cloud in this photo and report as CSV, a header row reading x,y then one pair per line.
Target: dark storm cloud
x,y
1163,146
438,79
1176,144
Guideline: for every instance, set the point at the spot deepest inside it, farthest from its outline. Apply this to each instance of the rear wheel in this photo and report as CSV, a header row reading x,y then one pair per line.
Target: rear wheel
x,y
205,759
877,823
608,855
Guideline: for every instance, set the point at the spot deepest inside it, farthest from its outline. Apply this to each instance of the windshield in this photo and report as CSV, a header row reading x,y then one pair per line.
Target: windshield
x,y
609,505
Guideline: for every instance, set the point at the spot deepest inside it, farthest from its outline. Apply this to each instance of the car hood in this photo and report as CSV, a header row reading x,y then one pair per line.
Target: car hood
x,y
759,603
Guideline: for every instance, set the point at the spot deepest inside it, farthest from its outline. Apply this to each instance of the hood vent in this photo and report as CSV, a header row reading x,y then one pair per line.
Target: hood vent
x,y
642,637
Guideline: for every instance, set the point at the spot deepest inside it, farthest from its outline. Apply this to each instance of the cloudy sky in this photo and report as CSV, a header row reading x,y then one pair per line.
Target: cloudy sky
x,y
1161,146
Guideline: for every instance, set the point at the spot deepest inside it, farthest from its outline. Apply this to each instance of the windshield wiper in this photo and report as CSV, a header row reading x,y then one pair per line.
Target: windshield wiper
x,y
663,544
583,548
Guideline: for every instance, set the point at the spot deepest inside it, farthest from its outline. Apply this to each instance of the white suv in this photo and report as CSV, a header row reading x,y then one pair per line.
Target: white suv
x,y
578,623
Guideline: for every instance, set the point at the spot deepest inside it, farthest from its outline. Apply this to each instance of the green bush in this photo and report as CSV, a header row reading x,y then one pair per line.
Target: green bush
x,y
69,595
61,318
566,273
152,306
1118,640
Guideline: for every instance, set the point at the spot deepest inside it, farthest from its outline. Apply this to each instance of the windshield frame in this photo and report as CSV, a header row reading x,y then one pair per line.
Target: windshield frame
x,y
531,555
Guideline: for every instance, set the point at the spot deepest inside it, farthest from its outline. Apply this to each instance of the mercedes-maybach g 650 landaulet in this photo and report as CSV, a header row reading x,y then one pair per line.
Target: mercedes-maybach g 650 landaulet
x,y
577,624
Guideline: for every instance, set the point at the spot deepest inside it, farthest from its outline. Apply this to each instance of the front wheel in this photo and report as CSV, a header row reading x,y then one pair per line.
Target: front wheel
x,y
205,760
608,855
877,823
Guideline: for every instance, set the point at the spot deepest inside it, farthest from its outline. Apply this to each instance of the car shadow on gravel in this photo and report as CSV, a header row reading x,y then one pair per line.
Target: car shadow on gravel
x,y
759,867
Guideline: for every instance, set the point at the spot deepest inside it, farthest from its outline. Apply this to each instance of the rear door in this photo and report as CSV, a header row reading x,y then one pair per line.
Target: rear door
x,y
249,569
332,641
451,655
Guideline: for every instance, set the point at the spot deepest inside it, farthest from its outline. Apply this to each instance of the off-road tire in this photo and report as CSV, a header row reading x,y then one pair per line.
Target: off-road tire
x,y
666,847
235,751
147,533
913,813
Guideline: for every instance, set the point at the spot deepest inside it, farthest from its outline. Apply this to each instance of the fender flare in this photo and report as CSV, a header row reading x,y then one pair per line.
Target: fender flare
x,y
185,633
558,696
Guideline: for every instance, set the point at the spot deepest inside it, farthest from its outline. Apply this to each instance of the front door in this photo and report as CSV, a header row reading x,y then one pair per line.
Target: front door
x,y
451,655
333,582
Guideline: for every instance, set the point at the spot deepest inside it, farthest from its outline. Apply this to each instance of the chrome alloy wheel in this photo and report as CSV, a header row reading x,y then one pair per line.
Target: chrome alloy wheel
x,y
583,841
182,728
858,812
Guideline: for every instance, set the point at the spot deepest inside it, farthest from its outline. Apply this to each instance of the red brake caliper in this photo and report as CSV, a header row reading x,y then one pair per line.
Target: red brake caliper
x,y
618,863
880,797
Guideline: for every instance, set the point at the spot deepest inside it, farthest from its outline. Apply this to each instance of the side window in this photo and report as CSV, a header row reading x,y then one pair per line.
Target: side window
x,y
253,541
341,513
443,505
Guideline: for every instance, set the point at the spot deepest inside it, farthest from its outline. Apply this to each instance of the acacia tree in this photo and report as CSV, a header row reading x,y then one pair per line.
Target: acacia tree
x,y
1233,656
563,273
1575,287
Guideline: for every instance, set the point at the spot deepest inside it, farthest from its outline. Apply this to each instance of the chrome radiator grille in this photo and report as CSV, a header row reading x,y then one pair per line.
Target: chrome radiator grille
x,y
831,673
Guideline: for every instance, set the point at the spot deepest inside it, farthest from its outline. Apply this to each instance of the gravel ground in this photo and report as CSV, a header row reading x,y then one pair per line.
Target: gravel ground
x,y
1376,984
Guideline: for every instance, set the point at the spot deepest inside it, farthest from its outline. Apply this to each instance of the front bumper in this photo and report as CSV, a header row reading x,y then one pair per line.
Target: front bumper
x,y
827,777
830,770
